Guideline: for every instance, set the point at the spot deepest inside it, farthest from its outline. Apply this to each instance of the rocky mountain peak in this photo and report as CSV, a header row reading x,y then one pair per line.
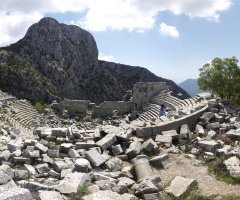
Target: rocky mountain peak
x,y
63,61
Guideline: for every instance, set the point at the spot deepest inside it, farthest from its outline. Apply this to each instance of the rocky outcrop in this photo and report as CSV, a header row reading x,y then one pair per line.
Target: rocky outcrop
x,y
55,60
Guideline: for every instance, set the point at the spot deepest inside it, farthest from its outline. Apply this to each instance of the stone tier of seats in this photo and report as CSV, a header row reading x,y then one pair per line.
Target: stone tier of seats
x,y
5,97
26,114
152,110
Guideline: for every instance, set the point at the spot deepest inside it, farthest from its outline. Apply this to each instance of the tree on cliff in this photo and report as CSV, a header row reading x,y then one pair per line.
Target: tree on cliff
x,y
221,77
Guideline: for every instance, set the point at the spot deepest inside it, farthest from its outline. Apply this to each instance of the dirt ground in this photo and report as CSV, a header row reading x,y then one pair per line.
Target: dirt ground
x,y
190,168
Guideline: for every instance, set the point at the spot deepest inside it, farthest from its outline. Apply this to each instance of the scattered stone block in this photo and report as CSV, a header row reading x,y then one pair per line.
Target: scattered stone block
x,y
144,132
42,168
95,158
233,134
34,187
6,174
145,186
107,194
5,155
71,182
73,153
107,141
17,193
164,139
199,130
113,164
47,195
233,166
23,160
117,150
206,117
41,148
53,153
60,165
149,145
82,165
179,185
209,146
213,126
161,160
65,147
8,186
85,145
172,133
59,132
21,174
134,149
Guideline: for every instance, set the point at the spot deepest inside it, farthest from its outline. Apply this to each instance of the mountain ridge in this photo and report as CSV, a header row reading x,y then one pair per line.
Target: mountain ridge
x,y
55,61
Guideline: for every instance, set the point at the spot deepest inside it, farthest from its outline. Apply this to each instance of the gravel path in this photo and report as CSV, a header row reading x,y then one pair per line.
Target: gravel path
x,y
208,185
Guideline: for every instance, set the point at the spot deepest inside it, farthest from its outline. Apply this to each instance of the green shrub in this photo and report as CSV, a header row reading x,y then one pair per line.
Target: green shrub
x,y
40,107
83,190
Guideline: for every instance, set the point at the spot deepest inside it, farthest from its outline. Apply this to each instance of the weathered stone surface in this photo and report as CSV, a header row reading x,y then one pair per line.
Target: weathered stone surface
x,y
206,117
71,182
53,153
184,132
179,185
148,145
108,195
134,149
21,174
31,169
107,141
41,148
6,174
85,145
142,167
8,186
199,130
161,160
120,189
100,177
5,155
31,154
210,146
145,186
82,165
59,132
233,166
95,158
172,133
145,132
117,150
65,147
22,160
47,195
42,168
16,194
33,187
233,134
164,139
73,153
60,165
113,164
47,159
13,147
125,181
213,126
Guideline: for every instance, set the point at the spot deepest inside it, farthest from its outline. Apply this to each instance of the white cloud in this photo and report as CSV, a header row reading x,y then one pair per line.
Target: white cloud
x,y
101,56
101,15
168,30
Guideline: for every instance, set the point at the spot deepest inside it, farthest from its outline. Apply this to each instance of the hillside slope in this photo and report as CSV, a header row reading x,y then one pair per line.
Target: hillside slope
x,y
191,87
56,61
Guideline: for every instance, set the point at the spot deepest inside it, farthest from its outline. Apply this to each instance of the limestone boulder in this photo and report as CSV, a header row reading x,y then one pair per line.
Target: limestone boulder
x,y
179,185
6,174
15,194
134,149
47,195
71,182
95,158
233,166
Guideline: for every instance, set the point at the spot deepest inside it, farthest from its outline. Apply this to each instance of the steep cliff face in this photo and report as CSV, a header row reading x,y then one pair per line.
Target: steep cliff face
x,y
55,60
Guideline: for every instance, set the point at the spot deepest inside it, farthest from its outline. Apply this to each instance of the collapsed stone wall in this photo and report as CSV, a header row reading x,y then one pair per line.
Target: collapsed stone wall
x,y
82,107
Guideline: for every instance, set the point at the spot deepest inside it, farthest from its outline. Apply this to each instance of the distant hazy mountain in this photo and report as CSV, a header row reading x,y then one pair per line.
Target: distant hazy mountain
x,y
190,86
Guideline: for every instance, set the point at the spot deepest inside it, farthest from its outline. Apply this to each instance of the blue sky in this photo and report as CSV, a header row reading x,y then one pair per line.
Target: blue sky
x,y
171,38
